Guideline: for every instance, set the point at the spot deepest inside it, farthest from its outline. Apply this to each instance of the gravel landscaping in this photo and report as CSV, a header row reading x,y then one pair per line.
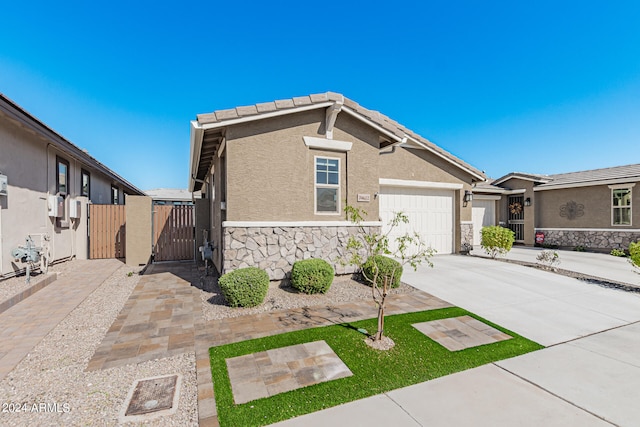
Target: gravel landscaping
x,y
14,285
53,372
282,296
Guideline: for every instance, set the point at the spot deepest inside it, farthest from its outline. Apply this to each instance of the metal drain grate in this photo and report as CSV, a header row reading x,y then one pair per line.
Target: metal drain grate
x,y
152,395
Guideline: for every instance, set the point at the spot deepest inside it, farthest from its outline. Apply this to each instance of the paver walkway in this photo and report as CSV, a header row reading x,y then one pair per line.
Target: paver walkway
x,y
25,324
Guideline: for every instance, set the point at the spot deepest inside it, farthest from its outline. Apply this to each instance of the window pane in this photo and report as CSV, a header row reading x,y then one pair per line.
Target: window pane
x,y
622,216
333,178
321,164
327,199
622,197
321,177
333,165
62,178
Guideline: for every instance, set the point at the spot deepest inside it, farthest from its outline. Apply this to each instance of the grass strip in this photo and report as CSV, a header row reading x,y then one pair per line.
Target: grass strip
x,y
414,359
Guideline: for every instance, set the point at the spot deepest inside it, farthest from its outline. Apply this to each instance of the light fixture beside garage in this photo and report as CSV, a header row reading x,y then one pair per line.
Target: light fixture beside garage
x,y
468,196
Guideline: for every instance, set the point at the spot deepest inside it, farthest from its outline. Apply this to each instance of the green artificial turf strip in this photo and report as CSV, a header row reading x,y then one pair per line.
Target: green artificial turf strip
x,y
414,359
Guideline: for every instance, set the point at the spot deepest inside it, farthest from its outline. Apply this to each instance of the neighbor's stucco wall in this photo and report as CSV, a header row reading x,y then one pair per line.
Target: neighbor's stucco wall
x,y
596,212
29,162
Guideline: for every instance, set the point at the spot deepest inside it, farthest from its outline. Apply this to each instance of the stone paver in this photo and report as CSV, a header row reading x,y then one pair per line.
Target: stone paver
x,y
264,374
26,323
157,321
458,333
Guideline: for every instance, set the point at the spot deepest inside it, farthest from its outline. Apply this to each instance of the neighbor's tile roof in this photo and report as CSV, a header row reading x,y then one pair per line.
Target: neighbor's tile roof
x,y
172,194
376,117
630,172
487,187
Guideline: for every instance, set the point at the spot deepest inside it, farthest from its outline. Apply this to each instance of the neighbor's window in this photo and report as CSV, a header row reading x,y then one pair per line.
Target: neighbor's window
x,y
85,183
114,195
621,206
327,185
62,177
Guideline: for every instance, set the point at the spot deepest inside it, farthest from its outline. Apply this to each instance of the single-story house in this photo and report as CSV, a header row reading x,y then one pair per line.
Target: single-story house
x,y
591,209
278,174
171,196
45,185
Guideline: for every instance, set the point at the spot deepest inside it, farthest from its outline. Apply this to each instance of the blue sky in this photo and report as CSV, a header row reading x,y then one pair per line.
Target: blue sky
x,y
541,87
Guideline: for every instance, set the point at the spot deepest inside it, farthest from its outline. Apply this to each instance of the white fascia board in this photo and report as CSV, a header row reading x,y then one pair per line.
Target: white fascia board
x,y
619,186
630,230
327,144
509,192
419,184
222,147
448,160
227,224
197,134
485,197
261,116
517,176
589,184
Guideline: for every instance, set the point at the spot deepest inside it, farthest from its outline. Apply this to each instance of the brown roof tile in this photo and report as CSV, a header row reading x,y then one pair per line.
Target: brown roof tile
x,y
266,107
226,114
318,97
302,100
207,118
247,111
284,103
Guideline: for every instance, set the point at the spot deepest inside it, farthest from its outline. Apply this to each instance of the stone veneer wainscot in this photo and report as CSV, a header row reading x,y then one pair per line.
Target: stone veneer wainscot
x,y
275,249
590,239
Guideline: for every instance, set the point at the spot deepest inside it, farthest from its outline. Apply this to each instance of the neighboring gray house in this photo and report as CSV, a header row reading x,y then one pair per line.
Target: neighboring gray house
x,y
45,185
593,209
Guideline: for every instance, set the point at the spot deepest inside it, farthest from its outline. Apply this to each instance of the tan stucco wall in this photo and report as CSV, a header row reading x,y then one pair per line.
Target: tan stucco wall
x,y
271,170
139,228
597,208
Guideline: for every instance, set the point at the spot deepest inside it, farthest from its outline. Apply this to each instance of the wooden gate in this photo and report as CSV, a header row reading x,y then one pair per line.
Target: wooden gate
x,y
107,236
173,232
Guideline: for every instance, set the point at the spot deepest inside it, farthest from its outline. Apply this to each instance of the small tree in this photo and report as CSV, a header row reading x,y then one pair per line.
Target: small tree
x,y
634,255
370,246
496,240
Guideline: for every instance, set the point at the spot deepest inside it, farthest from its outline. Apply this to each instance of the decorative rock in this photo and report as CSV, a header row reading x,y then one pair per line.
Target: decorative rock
x,y
251,244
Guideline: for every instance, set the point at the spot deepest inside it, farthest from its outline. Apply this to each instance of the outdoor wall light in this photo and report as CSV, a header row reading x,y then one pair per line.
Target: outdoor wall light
x,y
527,201
468,196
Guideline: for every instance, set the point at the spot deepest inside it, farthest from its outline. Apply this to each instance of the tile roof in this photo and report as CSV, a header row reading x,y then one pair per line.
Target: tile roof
x,y
389,125
628,172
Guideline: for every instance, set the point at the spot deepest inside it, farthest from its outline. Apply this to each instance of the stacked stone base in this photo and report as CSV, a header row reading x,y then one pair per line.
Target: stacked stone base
x,y
604,240
466,235
275,249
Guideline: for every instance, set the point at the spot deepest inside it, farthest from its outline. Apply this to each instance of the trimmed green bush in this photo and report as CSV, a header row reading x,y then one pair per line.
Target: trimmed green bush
x,y
246,287
496,240
634,254
312,276
618,252
387,267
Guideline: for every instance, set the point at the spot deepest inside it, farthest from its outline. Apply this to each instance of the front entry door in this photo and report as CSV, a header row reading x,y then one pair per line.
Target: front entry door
x,y
516,216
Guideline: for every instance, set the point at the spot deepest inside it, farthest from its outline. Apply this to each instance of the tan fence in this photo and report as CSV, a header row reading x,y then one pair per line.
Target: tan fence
x,y
107,231
173,233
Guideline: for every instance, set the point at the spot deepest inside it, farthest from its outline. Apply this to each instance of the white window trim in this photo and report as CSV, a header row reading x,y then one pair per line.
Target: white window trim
x,y
327,144
316,185
630,207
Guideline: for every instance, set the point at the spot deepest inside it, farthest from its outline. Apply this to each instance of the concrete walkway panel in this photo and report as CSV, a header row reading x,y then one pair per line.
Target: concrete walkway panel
x,y
600,384
370,412
622,344
487,396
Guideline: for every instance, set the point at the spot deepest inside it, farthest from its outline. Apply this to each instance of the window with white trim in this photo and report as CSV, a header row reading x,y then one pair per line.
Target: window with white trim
x,y
327,185
621,206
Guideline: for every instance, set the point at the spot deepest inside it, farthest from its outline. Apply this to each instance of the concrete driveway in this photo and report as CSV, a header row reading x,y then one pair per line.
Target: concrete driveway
x,y
545,307
588,376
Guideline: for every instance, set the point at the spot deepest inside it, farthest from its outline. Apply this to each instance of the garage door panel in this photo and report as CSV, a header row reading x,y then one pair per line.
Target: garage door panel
x,y
483,214
430,214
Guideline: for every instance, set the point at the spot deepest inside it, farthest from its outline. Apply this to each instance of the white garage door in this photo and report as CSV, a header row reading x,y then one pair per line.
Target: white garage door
x,y
483,214
430,213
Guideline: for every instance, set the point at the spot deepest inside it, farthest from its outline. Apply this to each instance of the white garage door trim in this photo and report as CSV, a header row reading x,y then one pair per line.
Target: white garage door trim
x,y
428,209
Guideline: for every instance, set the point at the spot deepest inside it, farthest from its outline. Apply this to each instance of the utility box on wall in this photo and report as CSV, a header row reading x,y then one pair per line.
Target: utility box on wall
x,y
75,209
3,185
56,206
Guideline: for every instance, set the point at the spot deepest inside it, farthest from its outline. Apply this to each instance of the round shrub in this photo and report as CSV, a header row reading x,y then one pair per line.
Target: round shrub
x,y
312,276
387,267
245,287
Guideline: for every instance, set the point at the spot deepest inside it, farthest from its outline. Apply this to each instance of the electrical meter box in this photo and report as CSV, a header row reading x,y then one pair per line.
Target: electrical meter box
x,y
56,206
74,209
3,185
